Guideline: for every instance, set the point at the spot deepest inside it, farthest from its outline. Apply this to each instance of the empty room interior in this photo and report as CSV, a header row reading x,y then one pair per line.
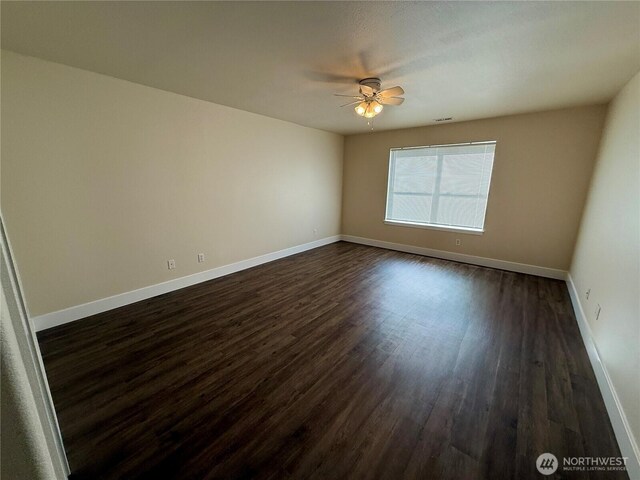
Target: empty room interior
x,y
320,240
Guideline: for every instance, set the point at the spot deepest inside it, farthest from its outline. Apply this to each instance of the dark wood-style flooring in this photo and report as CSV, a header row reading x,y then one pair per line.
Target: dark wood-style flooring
x,y
342,362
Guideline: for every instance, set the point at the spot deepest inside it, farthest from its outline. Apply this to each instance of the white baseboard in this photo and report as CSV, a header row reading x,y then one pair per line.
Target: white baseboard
x,y
621,428
461,257
77,312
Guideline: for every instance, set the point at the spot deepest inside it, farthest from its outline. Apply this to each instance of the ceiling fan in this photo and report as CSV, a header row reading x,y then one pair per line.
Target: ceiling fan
x,y
371,100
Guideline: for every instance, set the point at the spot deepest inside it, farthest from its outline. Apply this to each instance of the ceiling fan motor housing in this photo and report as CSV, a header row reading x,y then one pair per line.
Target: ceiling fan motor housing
x,y
373,83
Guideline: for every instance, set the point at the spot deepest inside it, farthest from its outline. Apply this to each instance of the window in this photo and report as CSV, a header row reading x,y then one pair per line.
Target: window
x,y
444,187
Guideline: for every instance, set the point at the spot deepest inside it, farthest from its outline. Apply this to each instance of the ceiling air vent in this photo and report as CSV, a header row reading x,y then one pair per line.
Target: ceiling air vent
x,y
444,119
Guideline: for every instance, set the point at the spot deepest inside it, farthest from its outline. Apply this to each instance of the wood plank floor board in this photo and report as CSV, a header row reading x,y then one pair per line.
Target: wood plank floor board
x,y
346,361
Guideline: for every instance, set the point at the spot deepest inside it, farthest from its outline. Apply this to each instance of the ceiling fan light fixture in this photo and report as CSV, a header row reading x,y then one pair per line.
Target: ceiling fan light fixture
x,y
372,100
369,108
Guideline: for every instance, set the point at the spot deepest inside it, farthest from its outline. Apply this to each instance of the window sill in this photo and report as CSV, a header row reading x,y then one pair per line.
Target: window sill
x,y
442,228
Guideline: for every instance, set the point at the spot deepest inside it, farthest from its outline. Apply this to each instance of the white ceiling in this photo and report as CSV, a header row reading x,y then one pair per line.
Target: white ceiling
x,y
454,59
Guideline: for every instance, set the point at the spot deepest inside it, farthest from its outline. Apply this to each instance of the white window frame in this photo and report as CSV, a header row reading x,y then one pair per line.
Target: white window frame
x,y
434,226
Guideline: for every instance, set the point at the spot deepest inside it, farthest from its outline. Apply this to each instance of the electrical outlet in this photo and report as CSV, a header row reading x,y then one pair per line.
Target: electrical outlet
x,y
201,258
598,309
171,264
587,294
458,242
315,232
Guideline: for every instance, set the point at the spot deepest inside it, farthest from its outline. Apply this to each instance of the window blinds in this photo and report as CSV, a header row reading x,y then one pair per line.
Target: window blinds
x,y
441,185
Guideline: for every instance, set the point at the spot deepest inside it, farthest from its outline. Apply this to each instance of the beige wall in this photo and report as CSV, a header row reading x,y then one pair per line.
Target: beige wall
x,y
103,180
28,449
23,448
541,172
607,255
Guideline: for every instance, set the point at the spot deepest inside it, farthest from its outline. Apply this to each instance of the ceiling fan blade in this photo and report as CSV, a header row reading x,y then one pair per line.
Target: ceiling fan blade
x,y
366,90
391,100
391,92
348,96
351,103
